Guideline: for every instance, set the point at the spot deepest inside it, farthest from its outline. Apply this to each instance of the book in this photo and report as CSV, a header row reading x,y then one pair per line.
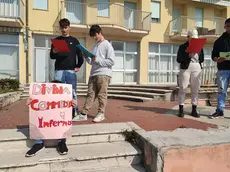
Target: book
x,y
225,55
196,45
85,51
61,45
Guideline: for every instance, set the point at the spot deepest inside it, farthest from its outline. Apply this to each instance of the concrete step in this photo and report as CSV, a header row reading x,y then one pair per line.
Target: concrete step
x,y
12,139
80,158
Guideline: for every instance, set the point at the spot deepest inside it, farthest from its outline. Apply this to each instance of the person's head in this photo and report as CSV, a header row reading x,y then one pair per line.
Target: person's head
x,y
96,32
227,25
193,33
64,26
55,81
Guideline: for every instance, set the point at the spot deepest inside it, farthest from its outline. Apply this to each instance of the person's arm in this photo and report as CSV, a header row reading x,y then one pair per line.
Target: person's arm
x,y
182,56
80,58
201,56
215,52
109,60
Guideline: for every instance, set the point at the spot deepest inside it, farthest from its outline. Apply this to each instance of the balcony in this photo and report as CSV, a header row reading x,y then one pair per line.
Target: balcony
x,y
208,27
12,13
115,19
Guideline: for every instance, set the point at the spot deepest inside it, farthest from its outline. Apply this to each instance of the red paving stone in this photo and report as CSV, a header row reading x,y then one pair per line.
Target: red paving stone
x,y
148,115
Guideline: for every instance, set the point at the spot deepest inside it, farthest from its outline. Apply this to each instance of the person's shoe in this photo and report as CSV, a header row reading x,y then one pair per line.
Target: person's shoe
x,y
80,117
62,148
181,111
217,114
194,112
100,117
34,150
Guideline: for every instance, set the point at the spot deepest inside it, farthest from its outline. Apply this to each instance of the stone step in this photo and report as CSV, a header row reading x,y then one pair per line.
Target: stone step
x,y
78,159
13,139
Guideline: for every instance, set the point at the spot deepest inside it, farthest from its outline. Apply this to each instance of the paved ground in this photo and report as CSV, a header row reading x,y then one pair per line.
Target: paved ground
x,y
148,115
205,111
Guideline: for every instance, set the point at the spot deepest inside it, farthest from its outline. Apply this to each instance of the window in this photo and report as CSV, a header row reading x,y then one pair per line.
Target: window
x,y
155,9
103,8
41,4
162,65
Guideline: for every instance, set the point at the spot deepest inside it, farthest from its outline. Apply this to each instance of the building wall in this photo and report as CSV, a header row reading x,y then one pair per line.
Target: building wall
x,y
46,22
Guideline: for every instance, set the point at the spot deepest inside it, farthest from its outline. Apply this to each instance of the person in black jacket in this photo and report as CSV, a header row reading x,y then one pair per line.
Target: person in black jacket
x,y
67,64
190,72
222,44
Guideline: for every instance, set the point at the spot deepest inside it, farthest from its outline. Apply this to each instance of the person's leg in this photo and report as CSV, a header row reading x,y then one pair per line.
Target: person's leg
x,y
102,85
38,146
184,78
92,90
222,83
59,76
61,147
71,78
195,85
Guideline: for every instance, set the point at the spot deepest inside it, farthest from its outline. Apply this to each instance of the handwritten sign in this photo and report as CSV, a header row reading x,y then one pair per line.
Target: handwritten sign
x,y
50,111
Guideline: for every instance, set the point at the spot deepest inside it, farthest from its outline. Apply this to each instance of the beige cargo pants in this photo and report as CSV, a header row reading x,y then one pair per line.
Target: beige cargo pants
x,y
97,88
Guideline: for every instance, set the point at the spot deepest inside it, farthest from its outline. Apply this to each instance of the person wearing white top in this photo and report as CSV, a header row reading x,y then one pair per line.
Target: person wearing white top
x,y
100,76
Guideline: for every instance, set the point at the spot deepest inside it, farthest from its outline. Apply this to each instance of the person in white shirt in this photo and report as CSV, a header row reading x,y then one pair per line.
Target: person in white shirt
x,y
101,73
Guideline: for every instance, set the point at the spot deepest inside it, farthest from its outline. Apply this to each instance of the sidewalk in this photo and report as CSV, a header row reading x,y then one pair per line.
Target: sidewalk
x,y
148,115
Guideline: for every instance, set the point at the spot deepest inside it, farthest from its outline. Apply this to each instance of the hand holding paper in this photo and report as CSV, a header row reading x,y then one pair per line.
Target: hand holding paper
x,y
85,51
60,46
225,55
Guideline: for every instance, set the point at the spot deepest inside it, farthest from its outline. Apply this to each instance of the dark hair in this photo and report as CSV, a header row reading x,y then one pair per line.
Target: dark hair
x,y
227,21
64,23
56,81
94,29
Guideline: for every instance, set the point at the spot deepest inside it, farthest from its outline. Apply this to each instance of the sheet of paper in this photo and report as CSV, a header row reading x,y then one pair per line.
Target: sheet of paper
x,y
225,55
196,45
85,51
50,111
61,45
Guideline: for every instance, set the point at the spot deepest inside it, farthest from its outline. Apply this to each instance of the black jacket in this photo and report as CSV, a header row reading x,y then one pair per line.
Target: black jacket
x,y
222,44
70,60
184,59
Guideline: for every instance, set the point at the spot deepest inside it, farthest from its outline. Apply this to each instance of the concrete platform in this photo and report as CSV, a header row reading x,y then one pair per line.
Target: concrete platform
x,y
186,150
205,112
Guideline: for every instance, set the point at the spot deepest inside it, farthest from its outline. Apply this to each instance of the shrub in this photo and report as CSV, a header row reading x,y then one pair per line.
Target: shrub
x,y
9,84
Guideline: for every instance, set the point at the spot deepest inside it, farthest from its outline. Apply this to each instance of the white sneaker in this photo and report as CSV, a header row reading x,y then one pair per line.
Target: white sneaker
x,y
80,117
100,117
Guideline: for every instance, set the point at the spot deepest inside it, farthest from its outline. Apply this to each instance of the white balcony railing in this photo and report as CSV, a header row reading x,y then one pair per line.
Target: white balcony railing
x,y
206,26
12,9
106,14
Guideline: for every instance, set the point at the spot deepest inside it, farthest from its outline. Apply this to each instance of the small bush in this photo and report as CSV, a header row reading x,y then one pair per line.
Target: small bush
x,y
9,84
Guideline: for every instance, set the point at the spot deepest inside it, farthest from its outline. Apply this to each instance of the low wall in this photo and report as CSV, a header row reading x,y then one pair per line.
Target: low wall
x,y
185,150
8,98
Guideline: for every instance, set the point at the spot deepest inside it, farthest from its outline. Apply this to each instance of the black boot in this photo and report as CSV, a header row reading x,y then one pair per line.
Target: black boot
x,y
194,112
181,111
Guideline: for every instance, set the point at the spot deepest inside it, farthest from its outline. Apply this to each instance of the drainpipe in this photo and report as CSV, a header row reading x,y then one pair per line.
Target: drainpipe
x,y
27,41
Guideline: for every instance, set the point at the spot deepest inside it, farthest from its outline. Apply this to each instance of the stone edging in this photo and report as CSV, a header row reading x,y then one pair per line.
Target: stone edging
x,y
178,150
8,98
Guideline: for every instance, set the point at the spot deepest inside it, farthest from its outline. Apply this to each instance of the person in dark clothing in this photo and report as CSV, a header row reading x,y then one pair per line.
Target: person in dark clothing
x,y
222,44
190,72
67,63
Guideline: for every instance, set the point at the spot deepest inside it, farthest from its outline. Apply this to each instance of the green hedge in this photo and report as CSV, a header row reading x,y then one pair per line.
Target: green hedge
x,y
9,85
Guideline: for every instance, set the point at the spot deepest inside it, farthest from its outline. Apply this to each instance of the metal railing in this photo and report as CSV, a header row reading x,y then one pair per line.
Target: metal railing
x,y
106,14
206,26
12,9
208,73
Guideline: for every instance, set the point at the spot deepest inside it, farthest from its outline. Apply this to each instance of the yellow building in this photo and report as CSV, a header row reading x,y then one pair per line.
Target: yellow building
x,y
145,35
